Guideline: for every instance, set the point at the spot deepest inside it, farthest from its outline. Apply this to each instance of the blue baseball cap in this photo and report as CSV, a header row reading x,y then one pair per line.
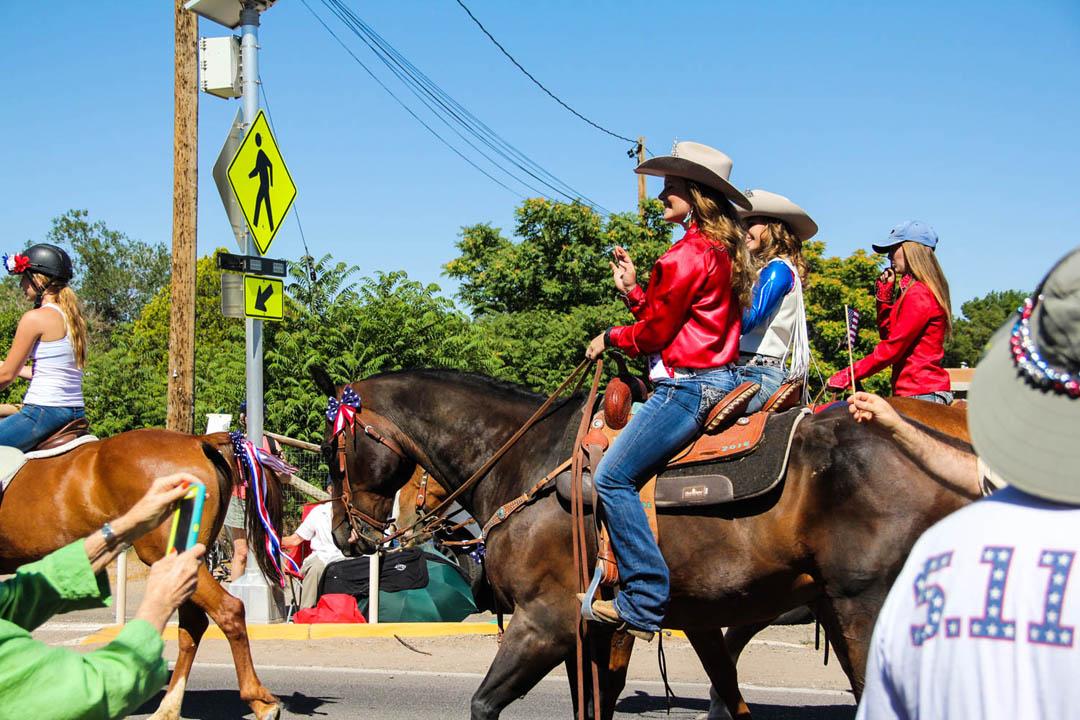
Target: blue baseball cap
x,y
910,231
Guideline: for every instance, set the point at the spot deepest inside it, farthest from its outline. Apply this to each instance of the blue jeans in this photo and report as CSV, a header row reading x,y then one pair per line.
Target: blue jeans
x,y
670,419
770,379
941,397
34,423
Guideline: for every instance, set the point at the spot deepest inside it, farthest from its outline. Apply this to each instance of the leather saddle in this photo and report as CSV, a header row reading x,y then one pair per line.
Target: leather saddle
x,y
66,439
80,427
736,458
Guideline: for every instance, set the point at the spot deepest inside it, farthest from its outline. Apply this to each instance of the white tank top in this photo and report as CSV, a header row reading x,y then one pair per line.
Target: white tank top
x,y
57,380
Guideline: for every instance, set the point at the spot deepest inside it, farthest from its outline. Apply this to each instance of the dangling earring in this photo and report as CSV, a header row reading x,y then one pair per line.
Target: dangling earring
x,y
689,217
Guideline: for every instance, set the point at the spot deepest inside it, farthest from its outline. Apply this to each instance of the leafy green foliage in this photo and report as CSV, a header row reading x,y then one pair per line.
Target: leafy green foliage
x,y
832,283
981,318
115,276
535,299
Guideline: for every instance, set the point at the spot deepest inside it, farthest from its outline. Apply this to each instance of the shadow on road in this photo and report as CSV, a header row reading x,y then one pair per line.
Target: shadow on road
x,y
641,703
220,704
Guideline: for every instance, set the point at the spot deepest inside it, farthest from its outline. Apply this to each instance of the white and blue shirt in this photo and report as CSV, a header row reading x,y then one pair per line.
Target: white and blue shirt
x,y
982,620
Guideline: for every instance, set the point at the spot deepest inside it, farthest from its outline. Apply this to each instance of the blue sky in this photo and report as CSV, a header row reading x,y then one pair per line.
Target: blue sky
x,y
964,114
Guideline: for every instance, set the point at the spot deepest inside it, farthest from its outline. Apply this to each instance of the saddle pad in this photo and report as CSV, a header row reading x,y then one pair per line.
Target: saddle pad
x,y
719,482
11,461
61,449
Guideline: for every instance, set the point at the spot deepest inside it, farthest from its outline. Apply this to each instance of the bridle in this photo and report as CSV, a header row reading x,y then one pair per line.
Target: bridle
x,y
353,514
437,514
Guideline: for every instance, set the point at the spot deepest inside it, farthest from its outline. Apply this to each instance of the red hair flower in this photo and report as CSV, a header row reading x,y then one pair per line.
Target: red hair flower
x,y
17,263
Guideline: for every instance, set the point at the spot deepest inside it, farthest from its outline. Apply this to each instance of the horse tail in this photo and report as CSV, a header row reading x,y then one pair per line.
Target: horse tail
x,y
221,446
226,473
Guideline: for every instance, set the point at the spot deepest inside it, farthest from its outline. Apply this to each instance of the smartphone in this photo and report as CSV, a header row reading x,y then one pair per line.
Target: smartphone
x,y
187,518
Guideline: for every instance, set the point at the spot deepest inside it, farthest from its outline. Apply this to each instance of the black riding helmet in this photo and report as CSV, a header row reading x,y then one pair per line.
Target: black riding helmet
x,y
44,259
49,260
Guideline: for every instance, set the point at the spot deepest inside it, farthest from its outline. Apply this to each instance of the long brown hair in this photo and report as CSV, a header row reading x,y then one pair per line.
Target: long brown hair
x,y
923,265
73,317
778,241
717,219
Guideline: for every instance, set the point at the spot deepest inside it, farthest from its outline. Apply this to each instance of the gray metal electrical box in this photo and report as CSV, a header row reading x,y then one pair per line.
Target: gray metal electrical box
x,y
219,66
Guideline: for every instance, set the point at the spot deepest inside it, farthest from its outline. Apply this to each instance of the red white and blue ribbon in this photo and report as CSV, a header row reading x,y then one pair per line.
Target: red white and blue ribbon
x,y
342,413
17,263
253,460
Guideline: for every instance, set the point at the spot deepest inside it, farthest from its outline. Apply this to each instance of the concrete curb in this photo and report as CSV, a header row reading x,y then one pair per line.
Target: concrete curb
x,y
288,631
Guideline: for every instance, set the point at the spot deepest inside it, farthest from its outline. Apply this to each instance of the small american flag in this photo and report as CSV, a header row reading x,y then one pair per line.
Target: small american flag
x,y
852,325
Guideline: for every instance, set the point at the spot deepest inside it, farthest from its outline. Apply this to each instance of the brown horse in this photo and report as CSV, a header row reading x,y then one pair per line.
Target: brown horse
x,y
54,501
832,536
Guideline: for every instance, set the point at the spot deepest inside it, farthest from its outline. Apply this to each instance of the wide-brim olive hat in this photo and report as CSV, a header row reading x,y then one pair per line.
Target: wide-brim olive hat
x,y
777,207
699,163
1024,402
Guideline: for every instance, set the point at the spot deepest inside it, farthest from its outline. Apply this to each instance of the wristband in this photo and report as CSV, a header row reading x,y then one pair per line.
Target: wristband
x,y
109,534
607,337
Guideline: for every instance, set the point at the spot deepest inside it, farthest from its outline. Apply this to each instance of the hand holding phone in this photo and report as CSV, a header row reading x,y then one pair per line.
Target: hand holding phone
x,y
622,270
187,518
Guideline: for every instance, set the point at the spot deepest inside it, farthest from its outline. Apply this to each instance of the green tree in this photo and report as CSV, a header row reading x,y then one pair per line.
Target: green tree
x,y
539,300
115,276
560,261
833,282
126,384
982,316
389,323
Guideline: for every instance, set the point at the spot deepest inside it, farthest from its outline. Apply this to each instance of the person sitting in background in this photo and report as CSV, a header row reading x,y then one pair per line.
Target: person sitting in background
x,y
317,528
42,682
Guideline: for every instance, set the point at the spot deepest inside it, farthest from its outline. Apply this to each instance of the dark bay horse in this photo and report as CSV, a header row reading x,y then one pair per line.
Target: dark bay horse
x,y
833,536
54,501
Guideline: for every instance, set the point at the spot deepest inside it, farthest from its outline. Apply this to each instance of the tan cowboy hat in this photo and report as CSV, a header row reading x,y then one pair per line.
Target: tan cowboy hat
x,y
777,207
699,163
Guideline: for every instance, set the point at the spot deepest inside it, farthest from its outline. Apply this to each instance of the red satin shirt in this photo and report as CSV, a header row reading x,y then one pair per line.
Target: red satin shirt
x,y
912,333
688,313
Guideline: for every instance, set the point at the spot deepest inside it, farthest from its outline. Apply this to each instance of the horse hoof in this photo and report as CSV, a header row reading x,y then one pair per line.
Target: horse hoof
x,y
269,712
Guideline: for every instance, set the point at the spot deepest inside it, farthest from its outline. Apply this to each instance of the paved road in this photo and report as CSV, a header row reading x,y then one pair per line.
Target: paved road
x,y
332,693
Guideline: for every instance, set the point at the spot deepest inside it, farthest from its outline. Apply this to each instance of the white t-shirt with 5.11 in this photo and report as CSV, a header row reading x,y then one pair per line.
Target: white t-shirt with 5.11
x,y
317,529
982,620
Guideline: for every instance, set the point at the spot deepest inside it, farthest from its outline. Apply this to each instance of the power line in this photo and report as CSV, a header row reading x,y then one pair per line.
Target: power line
x,y
422,86
400,102
539,84
503,156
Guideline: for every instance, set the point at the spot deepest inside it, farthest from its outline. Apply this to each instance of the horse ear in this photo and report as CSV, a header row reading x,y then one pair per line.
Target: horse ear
x,y
322,381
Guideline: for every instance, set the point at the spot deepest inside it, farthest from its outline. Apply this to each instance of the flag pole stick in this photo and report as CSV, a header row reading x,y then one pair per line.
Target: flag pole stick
x,y
850,356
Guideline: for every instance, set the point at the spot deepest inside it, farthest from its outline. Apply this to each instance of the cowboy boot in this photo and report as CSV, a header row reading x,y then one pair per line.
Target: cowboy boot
x,y
605,612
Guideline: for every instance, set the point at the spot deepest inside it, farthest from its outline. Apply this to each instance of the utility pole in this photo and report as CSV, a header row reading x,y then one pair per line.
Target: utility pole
x,y
641,178
180,414
253,329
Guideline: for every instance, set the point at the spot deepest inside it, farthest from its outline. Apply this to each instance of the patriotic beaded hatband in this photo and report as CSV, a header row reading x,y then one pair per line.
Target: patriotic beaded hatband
x,y
1030,363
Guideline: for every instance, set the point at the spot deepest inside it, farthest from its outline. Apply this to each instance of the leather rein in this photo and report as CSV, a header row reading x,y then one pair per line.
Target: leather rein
x,y
436,515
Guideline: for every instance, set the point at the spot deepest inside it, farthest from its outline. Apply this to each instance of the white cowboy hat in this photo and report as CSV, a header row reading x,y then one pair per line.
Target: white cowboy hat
x,y
699,163
768,204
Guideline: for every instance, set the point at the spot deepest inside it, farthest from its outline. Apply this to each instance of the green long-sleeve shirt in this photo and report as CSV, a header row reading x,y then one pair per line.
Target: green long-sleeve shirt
x,y
49,683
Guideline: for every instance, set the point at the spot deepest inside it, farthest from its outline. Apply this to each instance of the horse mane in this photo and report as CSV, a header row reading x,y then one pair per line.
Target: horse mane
x,y
474,380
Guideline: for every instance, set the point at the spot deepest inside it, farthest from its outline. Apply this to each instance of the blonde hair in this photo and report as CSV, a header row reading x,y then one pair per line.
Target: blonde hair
x,y
778,241
73,317
923,265
717,219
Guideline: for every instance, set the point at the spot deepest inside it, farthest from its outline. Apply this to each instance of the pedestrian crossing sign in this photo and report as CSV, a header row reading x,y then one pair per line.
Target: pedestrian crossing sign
x,y
264,297
261,183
